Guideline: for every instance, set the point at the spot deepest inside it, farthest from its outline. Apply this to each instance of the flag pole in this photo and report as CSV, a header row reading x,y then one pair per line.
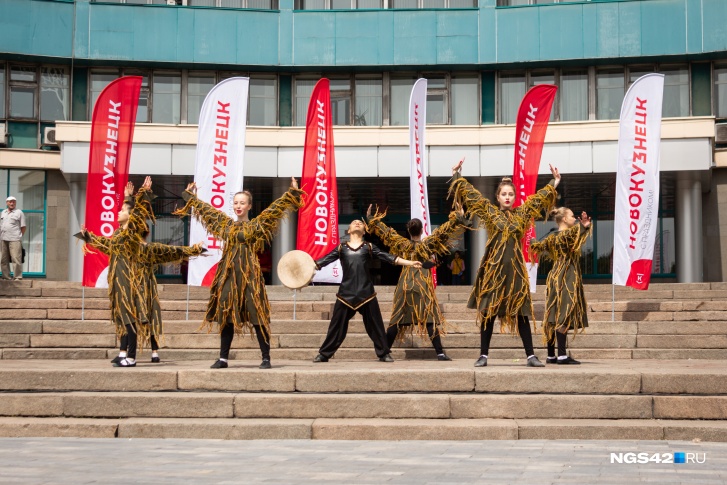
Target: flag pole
x,y
613,302
295,292
187,317
83,302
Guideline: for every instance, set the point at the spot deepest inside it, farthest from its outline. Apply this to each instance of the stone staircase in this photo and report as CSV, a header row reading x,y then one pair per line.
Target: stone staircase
x,y
657,373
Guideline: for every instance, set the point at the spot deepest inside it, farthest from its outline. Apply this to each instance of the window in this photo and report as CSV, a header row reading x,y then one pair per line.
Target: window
x,y
23,89
341,101
263,102
574,95
166,98
676,91
257,4
465,100
397,4
28,186
99,81
609,93
369,102
303,92
54,93
198,86
400,94
512,90
2,91
437,100
142,112
720,90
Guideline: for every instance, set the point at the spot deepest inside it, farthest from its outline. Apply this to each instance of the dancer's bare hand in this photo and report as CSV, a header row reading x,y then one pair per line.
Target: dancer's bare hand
x,y
293,183
458,209
415,264
192,188
458,166
556,174
129,189
147,183
585,220
368,211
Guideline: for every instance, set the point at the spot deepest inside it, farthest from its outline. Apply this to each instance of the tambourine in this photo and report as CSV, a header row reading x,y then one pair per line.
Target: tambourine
x,y
296,269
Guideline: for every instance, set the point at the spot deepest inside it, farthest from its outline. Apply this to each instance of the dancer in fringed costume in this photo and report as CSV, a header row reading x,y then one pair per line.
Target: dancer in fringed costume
x,y
356,293
416,309
128,306
502,286
238,301
565,301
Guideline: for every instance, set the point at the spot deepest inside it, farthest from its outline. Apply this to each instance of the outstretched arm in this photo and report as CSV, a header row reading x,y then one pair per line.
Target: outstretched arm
x,y
473,202
329,258
397,244
158,253
142,210
213,220
439,242
103,244
263,227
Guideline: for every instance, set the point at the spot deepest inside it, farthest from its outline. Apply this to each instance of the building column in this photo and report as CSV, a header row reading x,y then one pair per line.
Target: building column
x,y
285,240
478,238
76,214
688,222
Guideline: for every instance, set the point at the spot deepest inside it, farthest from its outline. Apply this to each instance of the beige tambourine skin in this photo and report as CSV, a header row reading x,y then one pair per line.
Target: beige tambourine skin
x,y
296,269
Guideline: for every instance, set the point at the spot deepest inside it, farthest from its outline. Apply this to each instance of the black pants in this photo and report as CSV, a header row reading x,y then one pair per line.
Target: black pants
x,y
228,333
131,341
523,327
338,328
561,338
433,335
125,343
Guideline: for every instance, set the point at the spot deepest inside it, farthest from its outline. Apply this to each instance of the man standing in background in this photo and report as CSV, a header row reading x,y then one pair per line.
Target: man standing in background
x,y
12,228
457,267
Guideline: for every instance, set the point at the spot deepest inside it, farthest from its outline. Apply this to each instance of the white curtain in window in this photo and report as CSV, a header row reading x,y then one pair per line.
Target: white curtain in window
x,y
303,91
54,94
198,86
574,96
167,98
400,94
720,90
609,94
262,110
512,91
98,82
676,92
465,101
2,91
368,102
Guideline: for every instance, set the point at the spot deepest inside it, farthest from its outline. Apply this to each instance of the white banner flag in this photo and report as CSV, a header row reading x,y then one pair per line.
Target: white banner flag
x,y
635,218
417,152
419,169
218,165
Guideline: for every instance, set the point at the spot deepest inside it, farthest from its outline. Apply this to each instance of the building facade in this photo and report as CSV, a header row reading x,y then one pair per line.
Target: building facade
x,y
479,56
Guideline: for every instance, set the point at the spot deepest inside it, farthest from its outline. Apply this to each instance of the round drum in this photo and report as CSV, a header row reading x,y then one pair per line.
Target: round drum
x,y
296,269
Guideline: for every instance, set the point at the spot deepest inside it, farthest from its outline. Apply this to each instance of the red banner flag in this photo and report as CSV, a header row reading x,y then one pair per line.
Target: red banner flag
x,y
318,218
532,122
112,129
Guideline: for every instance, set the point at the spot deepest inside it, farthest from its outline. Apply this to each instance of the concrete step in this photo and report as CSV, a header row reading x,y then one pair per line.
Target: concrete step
x,y
388,406
366,429
622,377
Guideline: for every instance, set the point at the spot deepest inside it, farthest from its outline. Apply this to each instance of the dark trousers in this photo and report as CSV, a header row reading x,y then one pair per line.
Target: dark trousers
x,y
338,327
131,342
228,333
433,336
125,343
561,338
523,327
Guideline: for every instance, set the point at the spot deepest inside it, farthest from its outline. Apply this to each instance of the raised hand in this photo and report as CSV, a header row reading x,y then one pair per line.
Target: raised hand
x,y
192,188
458,208
556,174
147,183
368,212
458,166
585,220
293,183
129,189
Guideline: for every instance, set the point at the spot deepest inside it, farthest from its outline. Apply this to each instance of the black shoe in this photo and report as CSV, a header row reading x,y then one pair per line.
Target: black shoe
x,y
481,362
155,360
386,358
551,360
220,364
443,357
117,359
125,363
266,364
534,362
568,360
320,358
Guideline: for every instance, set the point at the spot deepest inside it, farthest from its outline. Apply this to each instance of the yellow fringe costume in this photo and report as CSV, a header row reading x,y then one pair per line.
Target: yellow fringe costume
x,y
415,301
565,301
502,286
237,294
128,306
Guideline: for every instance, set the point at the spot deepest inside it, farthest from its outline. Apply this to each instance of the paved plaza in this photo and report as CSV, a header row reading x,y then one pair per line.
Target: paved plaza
x,y
77,461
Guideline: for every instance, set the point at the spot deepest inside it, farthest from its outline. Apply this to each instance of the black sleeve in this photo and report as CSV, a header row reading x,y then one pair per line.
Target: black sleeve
x,y
378,253
329,258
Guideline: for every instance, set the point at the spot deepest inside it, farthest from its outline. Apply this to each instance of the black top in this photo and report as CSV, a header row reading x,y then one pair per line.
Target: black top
x,y
356,287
